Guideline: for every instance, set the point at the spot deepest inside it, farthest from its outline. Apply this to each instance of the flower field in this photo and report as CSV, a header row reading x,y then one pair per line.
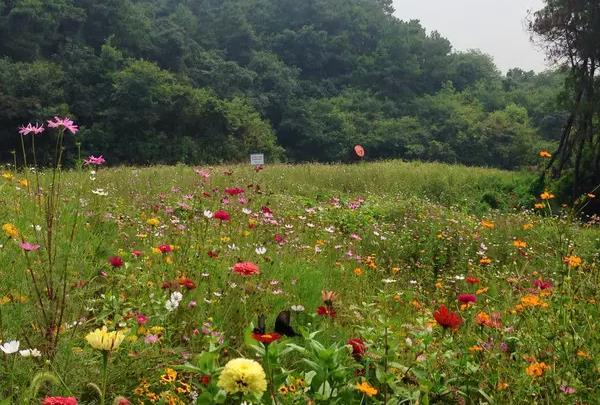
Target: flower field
x,y
373,283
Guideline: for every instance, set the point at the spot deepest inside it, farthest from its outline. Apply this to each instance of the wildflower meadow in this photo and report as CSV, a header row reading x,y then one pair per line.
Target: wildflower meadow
x,y
369,283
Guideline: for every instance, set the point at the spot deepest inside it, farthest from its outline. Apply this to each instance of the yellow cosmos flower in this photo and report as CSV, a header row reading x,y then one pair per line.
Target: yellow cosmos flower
x,y
546,195
358,271
243,376
7,176
527,226
101,339
536,369
366,389
573,261
519,244
23,183
488,224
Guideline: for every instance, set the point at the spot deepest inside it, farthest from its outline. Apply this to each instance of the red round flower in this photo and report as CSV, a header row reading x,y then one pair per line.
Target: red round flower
x,y
116,261
326,311
165,248
472,280
205,379
234,191
59,401
266,210
187,283
358,348
246,268
467,298
447,319
266,338
222,215
542,284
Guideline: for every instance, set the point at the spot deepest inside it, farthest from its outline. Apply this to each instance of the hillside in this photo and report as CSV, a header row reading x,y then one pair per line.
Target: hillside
x,y
208,81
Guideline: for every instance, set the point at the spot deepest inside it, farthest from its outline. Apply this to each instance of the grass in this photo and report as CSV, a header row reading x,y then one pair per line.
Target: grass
x,y
394,240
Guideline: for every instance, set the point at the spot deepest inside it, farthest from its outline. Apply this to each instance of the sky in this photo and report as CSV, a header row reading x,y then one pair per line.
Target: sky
x,y
496,27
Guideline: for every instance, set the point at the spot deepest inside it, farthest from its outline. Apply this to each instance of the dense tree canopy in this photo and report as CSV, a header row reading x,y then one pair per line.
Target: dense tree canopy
x,y
212,80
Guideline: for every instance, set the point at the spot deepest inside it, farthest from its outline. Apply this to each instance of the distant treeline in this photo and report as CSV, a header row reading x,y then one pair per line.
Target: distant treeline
x,y
166,81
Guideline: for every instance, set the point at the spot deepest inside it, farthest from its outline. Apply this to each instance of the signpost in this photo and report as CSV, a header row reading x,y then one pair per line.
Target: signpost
x,y
257,159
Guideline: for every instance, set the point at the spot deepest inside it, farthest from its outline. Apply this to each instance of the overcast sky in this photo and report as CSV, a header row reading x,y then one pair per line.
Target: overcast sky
x,y
496,27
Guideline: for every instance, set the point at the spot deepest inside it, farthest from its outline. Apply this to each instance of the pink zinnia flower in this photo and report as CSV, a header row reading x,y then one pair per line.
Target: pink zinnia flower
x,y
97,161
222,215
141,319
65,123
246,268
30,129
29,247
59,401
165,248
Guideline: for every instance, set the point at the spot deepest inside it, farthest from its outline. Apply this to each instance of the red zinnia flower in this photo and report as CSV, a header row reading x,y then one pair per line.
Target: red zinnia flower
x,y
59,401
467,298
136,253
266,338
234,191
222,215
542,284
187,283
358,348
165,248
279,239
447,319
326,311
246,268
116,261
266,210
472,280
205,380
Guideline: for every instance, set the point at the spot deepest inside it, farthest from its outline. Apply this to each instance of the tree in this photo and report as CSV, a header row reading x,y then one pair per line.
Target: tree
x,y
570,30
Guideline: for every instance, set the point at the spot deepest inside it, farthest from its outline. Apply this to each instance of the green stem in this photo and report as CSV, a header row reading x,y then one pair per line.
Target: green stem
x,y
105,355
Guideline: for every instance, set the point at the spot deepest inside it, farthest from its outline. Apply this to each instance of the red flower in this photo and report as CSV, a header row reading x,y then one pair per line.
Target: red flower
x,y
222,215
266,338
472,280
358,348
279,239
246,268
187,283
167,285
447,319
165,248
136,253
326,311
59,401
116,261
212,254
467,298
542,284
205,380
234,191
266,210
141,319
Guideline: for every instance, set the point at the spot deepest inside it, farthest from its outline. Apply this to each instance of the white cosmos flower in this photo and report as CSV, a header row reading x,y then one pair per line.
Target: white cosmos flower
x,y
330,229
297,308
100,192
30,353
391,280
208,214
171,305
176,296
247,211
261,250
10,347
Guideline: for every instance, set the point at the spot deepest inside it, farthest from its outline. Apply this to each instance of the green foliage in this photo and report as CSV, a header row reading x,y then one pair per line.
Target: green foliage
x,y
316,77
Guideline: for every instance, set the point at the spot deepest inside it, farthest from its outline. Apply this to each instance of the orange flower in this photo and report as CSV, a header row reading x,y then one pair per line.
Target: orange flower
x,y
487,224
572,261
501,386
527,226
539,206
583,355
482,290
536,369
475,348
531,301
546,195
366,389
484,261
545,154
519,244
358,271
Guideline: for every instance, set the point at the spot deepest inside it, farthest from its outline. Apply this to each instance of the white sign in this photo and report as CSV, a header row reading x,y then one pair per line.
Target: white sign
x,y
257,159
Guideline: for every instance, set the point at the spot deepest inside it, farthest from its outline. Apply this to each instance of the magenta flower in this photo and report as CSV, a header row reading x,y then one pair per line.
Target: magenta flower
x,y
29,247
97,161
30,129
65,123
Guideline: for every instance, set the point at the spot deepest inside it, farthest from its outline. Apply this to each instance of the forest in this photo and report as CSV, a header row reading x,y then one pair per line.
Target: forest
x,y
210,81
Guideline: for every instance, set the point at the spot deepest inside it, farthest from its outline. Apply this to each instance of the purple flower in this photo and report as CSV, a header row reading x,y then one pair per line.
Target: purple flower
x,y
97,161
151,339
29,247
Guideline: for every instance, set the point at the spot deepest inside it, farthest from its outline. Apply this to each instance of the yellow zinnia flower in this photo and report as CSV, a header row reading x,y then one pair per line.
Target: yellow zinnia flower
x,y
153,222
101,339
10,230
244,376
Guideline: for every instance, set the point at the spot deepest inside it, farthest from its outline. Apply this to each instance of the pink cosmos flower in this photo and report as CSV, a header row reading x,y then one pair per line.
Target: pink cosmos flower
x,y
30,129
97,161
66,123
29,247
205,174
